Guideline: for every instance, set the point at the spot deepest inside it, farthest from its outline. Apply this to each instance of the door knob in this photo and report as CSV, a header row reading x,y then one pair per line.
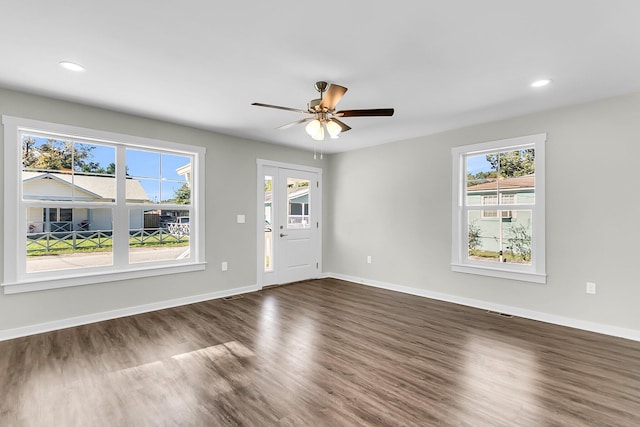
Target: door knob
x,y
283,235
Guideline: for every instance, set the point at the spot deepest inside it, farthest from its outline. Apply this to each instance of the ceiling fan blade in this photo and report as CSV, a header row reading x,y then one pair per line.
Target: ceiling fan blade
x,y
365,113
297,110
288,125
333,96
344,126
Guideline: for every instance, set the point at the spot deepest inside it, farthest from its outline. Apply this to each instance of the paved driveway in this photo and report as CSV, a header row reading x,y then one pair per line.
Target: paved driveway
x,y
79,260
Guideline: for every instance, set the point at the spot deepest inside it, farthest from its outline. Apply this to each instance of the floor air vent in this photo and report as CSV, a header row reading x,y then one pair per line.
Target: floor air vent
x,y
232,297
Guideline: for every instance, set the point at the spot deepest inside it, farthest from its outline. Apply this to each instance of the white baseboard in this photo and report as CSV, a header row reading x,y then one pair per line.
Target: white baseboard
x,y
630,334
123,312
615,331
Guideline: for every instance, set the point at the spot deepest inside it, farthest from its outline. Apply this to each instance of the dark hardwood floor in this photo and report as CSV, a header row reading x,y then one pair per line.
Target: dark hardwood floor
x,y
320,353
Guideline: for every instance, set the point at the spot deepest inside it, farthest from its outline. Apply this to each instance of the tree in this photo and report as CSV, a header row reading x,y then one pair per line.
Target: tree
x,y
513,163
519,240
57,155
29,153
183,195
111,169
475,236
481,176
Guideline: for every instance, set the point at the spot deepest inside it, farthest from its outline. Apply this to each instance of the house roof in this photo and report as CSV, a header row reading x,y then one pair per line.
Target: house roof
x,y
103,187
292,194
184,169
515,183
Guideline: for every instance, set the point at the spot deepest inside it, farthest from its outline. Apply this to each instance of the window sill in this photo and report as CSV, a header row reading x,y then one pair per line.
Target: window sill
x,y
523,276
87,279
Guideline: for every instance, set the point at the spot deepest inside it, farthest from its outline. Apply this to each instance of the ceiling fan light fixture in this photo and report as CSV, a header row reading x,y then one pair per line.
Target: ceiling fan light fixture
x,y
319,135
334,129
324,117
313,127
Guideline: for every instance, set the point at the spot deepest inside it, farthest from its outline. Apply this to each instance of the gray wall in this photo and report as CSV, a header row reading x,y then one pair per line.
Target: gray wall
x,y
393,202
230,190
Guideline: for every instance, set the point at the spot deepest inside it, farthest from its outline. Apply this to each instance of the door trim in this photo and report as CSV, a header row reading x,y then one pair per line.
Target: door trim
x,y
261,164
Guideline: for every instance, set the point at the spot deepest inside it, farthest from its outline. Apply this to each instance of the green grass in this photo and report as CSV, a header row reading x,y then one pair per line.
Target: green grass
x,y
494,256
91,245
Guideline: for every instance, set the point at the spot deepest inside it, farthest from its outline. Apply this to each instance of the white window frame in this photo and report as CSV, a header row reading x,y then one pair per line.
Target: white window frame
x,y
16,279
460,262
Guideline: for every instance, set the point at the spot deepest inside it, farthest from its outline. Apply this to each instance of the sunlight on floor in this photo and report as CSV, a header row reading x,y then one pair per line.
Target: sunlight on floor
x,y
500,376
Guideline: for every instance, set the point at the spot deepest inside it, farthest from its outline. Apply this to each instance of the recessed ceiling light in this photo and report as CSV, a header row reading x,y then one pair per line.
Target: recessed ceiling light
x,y
540,83
71,66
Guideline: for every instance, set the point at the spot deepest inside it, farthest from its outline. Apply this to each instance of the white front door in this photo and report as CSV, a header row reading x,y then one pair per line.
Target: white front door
x,y
298,227
290,209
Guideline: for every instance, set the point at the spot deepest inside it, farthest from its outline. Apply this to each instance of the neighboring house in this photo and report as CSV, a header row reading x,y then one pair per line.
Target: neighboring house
x,y
62,187
186,172
519,191
298,207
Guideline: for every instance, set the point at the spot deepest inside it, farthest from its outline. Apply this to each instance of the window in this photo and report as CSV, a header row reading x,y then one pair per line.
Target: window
x,y
498,209
85,206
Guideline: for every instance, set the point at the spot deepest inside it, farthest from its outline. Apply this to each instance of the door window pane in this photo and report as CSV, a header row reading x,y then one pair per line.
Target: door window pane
x,y
298,203
268,223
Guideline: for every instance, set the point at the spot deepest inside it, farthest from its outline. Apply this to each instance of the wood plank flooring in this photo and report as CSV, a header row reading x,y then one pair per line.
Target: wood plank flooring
x,y
320,353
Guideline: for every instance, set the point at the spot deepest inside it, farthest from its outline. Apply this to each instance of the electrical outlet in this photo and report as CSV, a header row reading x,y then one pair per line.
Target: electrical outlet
x,y
224,266
368,259
591,288
240,219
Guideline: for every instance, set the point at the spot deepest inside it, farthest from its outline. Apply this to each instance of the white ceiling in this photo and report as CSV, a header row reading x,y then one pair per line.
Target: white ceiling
x,y
441,65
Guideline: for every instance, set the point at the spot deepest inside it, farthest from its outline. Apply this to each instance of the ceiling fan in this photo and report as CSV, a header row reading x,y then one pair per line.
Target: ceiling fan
x,y
323,113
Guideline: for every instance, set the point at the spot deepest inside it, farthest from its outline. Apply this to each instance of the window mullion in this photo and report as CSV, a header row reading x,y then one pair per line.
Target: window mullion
x,y
121,213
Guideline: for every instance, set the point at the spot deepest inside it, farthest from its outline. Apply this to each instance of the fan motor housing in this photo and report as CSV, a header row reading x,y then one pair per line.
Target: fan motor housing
x,y
314,104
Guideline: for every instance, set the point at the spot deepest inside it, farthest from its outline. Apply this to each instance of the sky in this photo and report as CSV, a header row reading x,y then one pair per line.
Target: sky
x,y
156,172
478,163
